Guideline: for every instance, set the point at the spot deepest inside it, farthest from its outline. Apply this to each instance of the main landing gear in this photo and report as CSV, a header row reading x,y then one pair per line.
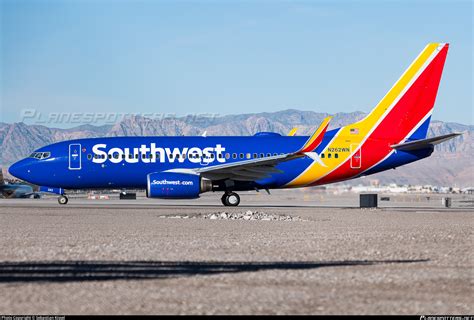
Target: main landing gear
x,y
230,199
62,199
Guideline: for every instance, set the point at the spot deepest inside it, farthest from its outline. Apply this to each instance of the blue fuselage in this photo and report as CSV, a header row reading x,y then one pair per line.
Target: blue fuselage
x,y
125,162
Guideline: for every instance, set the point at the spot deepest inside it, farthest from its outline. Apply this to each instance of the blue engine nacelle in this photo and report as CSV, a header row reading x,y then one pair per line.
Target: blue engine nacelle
x,y
173,185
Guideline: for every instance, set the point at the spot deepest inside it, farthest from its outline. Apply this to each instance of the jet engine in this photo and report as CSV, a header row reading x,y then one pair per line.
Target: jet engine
x,y
174,185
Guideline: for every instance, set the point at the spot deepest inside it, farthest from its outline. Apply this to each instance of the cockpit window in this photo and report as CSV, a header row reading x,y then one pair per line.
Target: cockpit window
x,y
40,155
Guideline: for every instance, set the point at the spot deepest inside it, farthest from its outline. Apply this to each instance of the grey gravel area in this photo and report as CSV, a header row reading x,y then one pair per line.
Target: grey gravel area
x,y
248,215
100,260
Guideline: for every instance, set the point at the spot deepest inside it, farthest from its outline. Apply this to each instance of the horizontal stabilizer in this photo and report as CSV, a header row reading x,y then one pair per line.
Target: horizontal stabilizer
x,y
424,143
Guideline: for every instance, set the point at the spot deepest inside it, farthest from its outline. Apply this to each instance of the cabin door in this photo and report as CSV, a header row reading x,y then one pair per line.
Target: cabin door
x,y
75,162
356,159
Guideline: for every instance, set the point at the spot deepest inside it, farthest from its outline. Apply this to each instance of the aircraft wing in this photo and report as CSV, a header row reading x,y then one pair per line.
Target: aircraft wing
x,y
260,168
247,170
424,143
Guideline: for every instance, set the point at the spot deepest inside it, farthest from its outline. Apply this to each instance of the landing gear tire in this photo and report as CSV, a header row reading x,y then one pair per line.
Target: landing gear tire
x,y
230,199
62,200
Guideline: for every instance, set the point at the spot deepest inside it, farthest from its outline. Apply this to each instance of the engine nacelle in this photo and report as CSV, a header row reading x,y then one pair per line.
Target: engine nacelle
x,y
174,185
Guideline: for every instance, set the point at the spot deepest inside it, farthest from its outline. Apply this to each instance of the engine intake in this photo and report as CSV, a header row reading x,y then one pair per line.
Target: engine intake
x,y
173,185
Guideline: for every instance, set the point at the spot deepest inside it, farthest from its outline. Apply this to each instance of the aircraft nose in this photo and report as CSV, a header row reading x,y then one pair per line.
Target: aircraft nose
x,y
20,169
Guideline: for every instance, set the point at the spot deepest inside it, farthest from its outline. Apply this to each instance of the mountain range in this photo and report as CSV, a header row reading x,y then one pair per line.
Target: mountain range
x,y
450,165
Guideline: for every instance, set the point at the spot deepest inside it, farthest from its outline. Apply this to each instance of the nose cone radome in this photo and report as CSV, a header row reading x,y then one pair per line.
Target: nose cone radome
x,y
20,169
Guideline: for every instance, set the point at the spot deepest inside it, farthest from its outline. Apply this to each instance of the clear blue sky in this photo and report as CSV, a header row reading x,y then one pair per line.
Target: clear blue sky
x,y
225,56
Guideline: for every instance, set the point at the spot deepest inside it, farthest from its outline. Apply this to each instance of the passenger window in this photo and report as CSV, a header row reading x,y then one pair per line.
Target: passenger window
x,y
227,156
269,154
241,156
234,156
322,155
336,155
262,155
255,155
89,156
248,156
329,156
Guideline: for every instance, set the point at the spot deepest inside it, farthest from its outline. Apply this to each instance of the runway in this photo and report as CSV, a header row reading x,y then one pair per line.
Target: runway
x,y
111,256
277,199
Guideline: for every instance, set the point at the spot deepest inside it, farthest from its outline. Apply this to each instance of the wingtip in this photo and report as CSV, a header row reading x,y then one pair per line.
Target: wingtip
x,y
293,132
326,120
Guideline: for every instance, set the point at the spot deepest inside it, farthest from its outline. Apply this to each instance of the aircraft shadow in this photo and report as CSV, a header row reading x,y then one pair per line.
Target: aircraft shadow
x,y
73,271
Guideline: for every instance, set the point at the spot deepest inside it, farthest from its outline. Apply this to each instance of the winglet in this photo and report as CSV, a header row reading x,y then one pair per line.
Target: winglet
x,y
293,132
315,140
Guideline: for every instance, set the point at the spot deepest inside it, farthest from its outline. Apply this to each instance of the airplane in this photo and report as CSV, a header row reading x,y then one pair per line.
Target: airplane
x,y
391,135
16,190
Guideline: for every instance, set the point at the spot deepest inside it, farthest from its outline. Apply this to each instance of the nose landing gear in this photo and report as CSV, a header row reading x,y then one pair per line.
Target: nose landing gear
x,y
230,199
62,199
